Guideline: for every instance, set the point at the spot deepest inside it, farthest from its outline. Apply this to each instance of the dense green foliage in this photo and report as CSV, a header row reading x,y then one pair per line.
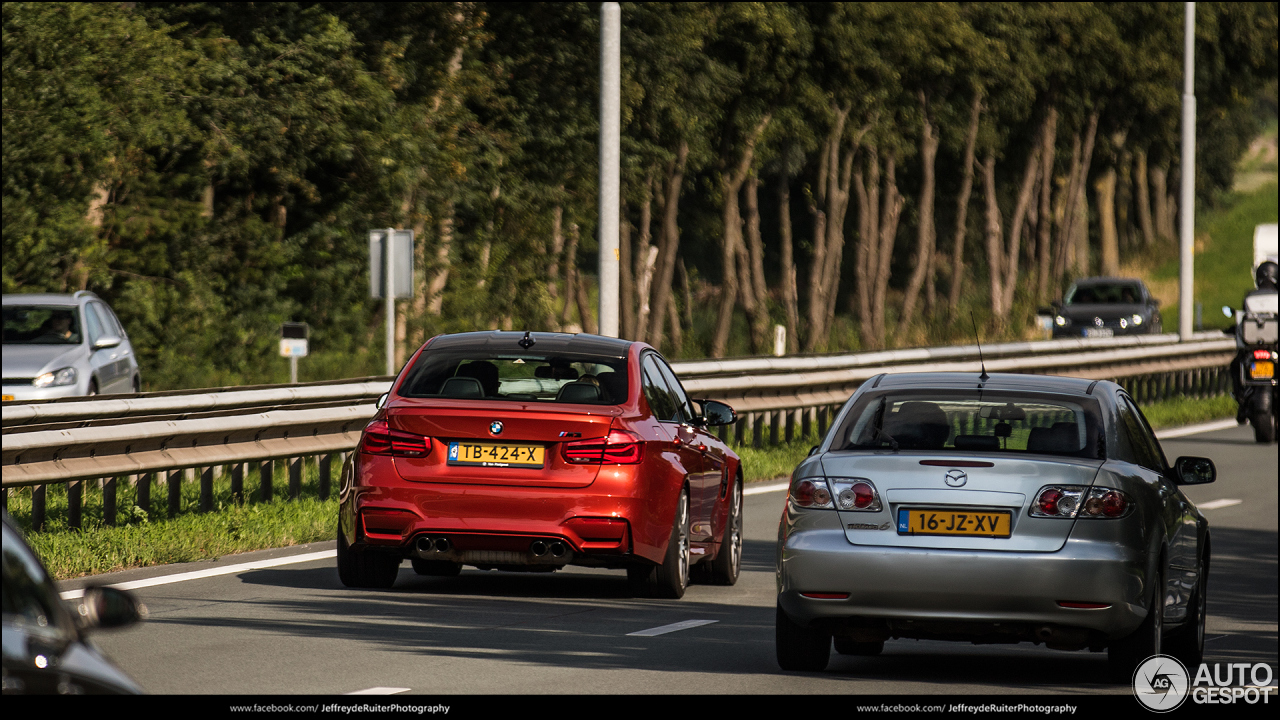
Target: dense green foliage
x,y
213,169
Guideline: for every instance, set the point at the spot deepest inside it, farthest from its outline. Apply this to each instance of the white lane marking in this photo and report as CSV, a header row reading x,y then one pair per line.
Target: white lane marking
x,y
1217,504
683,625
380,691
765,488
1196,429
211,572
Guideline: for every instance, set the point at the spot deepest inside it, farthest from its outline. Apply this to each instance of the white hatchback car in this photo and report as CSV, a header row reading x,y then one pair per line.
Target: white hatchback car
x,y
59,346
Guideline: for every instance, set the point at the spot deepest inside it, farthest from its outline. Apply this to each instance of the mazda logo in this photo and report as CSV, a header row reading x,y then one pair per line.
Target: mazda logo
x,y
956,478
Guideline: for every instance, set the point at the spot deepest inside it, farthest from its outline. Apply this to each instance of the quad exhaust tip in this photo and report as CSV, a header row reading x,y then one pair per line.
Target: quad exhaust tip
x,y
554,548
427,546
538,548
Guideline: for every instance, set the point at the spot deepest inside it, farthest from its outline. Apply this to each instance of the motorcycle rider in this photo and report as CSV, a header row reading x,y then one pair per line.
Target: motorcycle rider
x,y
1265,280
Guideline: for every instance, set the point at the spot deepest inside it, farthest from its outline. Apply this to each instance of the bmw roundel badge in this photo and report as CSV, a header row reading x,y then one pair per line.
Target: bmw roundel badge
x,y
495,427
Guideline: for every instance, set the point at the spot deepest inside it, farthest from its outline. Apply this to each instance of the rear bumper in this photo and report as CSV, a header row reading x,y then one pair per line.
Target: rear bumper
x,y
610,522
914,592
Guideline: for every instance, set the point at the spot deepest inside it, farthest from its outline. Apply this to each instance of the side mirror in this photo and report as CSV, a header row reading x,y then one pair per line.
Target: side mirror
x,y
107,341
715,412
813,449
104,608
1194,470
382,400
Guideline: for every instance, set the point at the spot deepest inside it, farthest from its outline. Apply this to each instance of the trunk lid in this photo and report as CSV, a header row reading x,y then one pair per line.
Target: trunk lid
x,y
1008,485
453,424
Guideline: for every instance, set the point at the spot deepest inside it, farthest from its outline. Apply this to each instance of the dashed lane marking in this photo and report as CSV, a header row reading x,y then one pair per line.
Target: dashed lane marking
x,y
774,487
380,691
673,627
211,572
1218,504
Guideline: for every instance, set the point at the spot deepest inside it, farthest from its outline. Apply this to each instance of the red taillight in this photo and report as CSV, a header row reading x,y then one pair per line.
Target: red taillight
x,y
1261,354
808,493
380,439
619,448
863,495
1048,501
1113,504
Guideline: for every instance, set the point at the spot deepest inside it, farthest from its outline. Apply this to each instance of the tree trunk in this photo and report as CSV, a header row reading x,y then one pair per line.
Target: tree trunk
x,y
731,182
995,243
626,291
1048,139
1106,190
925,237
440,274
1142,179
962,209
557,248
790,300
1159,175
1024,206
644,258
1075,231
834,176
867,248
585,317
570,276
760,330
890,213
667,247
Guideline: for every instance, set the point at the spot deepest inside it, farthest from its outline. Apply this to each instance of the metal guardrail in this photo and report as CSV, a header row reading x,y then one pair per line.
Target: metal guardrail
x,y
777,399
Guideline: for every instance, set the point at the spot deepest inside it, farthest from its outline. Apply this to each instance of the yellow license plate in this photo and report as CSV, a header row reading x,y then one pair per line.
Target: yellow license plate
x,y
1262,370
7,398
980,523
496,454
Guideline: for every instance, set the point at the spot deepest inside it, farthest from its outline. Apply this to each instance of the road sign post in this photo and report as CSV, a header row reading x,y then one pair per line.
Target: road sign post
x,y
391,264
294,343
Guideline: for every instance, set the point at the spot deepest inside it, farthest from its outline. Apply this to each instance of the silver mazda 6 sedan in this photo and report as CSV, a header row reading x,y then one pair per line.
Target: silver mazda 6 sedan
x,y
992,509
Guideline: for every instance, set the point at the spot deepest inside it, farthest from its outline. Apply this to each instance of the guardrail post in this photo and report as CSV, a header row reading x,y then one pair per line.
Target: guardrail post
x,y
740,430
757,429
265,471
206,489
822,421
805,414
237,483
295,477
37,506
791,424
109,501
173,484
324,469
143,497
775,419
723,433
75,494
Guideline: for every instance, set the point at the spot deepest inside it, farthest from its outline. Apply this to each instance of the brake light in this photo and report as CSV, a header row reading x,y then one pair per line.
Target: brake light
x,y
618,448
380,439
1261,354
811,494
1071,501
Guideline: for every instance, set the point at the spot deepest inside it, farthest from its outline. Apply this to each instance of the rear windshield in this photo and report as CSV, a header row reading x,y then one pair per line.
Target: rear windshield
x,y
986,422
477,375
41,325
1111,294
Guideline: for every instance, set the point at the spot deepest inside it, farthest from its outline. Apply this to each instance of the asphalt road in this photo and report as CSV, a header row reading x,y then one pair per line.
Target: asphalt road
x,y
293,629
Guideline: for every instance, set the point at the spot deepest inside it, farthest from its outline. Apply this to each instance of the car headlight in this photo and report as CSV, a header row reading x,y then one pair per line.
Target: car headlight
x,y
65,376
1137,319
1060,321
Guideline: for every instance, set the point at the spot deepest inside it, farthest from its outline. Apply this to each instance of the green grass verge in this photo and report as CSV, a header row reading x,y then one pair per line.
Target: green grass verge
x,y
143,538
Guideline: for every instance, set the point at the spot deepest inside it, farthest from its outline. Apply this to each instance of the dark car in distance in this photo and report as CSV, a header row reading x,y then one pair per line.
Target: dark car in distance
x,y
1106,307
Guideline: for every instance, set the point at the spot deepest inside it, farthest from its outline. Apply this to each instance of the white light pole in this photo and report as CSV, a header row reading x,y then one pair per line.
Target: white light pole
x,y
1186,285
610,161
389,296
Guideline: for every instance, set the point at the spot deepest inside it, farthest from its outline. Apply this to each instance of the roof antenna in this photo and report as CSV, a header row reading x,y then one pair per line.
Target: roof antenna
x,y
984,376
527,341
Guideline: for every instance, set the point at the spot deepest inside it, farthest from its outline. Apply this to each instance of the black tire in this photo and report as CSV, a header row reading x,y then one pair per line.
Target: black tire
x,y
1263,422
1187,642
137,384
365,569
437,568
1125,654
93,386
845,646
727,565
669,579
800,648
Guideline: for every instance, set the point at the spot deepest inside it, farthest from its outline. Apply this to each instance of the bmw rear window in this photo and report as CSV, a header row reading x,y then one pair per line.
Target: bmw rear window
x,y
551,378
960,420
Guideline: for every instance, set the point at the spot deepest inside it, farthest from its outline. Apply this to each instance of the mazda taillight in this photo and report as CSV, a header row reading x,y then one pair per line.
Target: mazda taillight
x,y
855,494
1072,501
618,448
811,493
380,439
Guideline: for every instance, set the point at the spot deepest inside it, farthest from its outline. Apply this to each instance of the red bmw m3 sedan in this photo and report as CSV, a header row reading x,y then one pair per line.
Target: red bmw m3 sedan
x,y
533,451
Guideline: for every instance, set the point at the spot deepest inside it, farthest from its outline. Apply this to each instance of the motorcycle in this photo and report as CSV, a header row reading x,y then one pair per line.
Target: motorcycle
x,y
1255,363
